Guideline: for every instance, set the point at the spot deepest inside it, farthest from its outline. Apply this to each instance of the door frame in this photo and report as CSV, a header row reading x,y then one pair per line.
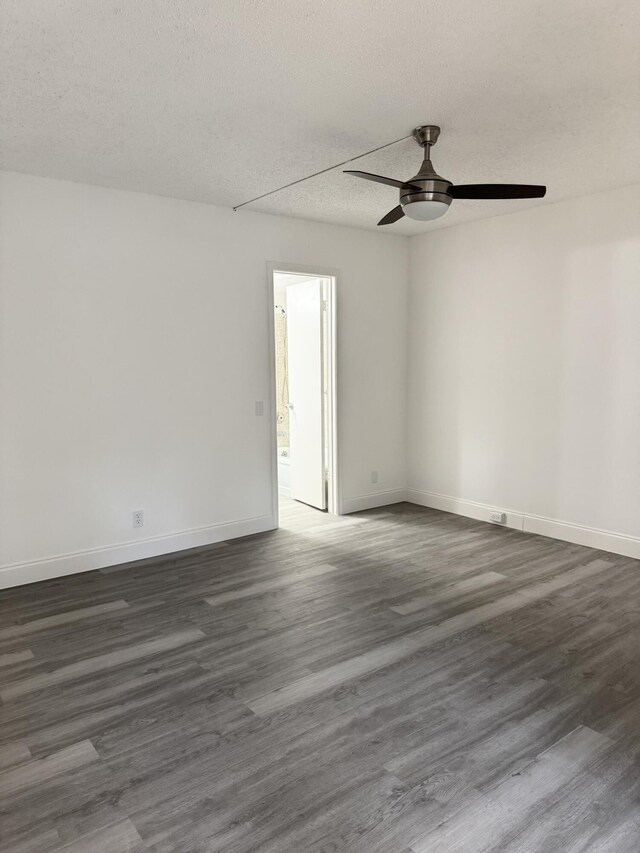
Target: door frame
x,y
334,485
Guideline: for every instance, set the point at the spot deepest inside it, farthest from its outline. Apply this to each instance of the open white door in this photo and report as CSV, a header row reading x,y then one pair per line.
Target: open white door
x,y
304,330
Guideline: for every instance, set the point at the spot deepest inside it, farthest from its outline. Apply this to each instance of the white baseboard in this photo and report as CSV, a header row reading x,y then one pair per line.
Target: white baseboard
x,y
17,574
470,509
603,540
285,491
127,552
373,500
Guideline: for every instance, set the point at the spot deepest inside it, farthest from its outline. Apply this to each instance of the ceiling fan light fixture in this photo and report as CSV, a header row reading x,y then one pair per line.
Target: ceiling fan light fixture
x,y
423,211
427,195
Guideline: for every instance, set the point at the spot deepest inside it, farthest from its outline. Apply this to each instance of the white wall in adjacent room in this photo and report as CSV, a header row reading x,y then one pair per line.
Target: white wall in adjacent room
x,y
524,368
133,346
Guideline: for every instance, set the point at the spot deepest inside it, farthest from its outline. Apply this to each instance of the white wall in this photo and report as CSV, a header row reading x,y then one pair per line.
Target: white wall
x,y
134,341
133,345
524,369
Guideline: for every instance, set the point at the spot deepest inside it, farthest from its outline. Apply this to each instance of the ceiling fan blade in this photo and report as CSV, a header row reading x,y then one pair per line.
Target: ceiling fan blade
x,y
482,191
392,216
379,179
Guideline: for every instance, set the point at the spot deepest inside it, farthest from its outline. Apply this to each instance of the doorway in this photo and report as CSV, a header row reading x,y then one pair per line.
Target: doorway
x,y
303,389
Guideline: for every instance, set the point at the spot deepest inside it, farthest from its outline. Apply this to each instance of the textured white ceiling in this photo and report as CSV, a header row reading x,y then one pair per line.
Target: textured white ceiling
x,y
222,100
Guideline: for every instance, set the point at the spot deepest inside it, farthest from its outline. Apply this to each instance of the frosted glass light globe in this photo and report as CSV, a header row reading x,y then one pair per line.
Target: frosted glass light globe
x,y
425,210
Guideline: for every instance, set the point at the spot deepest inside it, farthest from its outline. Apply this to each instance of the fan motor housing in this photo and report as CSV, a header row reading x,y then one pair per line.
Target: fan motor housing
x,y
433,189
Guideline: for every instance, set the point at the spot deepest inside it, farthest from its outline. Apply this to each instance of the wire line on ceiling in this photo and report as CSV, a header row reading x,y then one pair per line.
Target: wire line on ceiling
x,y
322,171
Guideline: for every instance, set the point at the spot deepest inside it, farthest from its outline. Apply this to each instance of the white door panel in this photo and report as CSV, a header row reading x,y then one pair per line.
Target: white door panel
x,y
304,335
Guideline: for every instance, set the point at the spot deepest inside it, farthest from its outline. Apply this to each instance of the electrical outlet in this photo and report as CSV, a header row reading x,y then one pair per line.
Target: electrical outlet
x,y
138,518
374,476
498,517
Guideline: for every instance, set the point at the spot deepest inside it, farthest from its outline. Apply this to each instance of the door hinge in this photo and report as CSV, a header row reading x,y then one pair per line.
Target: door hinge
x,y
325,305
325,475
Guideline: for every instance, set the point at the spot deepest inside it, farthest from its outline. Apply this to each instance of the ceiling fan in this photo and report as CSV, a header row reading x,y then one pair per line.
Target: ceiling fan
x,y
428,196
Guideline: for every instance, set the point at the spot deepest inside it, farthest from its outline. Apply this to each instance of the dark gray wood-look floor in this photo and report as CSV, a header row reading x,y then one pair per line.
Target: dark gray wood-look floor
x,y
398,681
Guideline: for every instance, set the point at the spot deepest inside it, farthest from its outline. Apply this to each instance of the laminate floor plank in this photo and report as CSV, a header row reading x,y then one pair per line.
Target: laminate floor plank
x,y
64,618
119,838
495,819
13,753
42,842
451,591
40,770
396,681
10,658
91,665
